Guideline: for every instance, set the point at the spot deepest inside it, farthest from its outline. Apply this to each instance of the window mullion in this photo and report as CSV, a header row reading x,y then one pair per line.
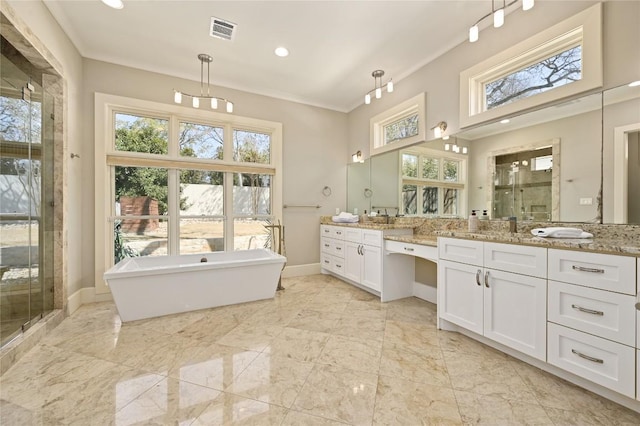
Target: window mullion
x,y
173,199
228,211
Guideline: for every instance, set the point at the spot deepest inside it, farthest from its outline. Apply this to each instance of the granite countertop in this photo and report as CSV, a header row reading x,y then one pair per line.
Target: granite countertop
x,y
609,238
599,245
372,225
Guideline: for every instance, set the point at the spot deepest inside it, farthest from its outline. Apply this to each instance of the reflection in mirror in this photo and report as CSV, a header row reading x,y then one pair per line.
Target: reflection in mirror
x,y
574,127
621,157
522,185
385,185
358,182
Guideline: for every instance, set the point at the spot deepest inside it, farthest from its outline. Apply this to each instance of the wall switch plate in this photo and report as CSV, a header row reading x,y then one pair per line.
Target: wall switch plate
x,y
586,201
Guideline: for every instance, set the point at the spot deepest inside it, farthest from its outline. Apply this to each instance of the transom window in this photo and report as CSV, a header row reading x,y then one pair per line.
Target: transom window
x,y
400,126
548,74
562,61
432,185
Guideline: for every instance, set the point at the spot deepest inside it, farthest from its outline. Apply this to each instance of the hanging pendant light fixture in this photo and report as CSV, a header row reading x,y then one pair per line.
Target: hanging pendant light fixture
x,y
498,16
378,86
195,99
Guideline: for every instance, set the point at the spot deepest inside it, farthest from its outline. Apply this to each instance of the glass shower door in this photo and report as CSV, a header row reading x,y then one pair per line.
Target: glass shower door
x,y
23,298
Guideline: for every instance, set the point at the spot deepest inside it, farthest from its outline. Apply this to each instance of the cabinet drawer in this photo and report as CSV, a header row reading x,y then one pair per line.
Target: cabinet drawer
x,y
603,271
603,362
337,248
515,258
603,313
325,245
464,251
336,232
332,264
426,252
638,374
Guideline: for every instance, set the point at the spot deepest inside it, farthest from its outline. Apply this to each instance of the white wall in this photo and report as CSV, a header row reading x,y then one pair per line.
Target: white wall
x,y
44,30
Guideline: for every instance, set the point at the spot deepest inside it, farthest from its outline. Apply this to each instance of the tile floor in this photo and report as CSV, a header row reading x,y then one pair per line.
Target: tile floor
x,y
321,353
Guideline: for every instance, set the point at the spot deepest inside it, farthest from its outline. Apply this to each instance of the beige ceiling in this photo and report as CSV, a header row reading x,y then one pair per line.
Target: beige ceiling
x,y
334,45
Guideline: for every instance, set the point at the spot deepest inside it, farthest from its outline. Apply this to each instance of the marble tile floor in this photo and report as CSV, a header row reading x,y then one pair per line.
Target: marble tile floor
x,y
321,353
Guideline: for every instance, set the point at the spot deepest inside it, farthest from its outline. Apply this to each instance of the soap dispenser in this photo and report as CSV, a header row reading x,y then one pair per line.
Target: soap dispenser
x,y
484,216
473,222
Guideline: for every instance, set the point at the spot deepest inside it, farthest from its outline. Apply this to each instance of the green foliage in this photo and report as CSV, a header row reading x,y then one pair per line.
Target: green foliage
x,y
121,250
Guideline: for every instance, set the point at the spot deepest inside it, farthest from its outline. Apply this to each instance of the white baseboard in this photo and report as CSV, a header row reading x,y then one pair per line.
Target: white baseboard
x,y
301,270
83,296
425,292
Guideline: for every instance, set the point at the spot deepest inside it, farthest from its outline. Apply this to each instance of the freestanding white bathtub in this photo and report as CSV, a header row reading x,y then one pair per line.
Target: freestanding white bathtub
x,y
146,287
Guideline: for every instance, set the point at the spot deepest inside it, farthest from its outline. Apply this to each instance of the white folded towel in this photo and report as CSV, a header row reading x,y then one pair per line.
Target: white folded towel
x,y
561,232
345,219
346,215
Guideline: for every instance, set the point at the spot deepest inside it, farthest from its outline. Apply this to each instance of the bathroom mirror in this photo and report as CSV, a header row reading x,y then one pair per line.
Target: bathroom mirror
x,y
573,127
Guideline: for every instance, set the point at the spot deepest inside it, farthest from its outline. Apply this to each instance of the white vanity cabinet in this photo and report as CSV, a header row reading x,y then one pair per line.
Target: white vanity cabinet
x,y
592,317
479,290
355,254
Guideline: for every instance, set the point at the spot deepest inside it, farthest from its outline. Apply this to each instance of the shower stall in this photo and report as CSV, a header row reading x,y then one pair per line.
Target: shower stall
x,y
522,185
27,119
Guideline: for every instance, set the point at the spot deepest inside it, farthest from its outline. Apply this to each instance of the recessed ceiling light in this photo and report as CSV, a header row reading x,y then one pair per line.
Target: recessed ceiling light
x,y
116,4
634,83
282,52
505,121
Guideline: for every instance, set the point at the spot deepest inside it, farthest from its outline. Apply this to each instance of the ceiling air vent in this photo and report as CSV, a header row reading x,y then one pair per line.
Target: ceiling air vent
x,y
222,29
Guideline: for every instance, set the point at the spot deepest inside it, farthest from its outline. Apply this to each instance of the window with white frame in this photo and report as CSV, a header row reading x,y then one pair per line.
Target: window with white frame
x,y
560,62
432,184
173,180
400,126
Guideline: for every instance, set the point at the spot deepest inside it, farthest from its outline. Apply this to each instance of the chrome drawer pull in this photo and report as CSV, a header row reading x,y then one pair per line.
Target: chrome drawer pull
x,y
326,245
583,269
338,266
588,311
326,261
408,249
478,277
486,279
338,232
587,357
338,248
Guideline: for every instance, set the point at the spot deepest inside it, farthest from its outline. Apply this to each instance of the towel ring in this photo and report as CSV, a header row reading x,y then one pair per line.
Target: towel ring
x,y
368,193
326,191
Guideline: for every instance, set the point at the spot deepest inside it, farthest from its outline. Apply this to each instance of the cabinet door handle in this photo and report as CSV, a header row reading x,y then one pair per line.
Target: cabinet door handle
x,y
588,311
583,269
478,277
362,250
486,279
408,249
359,252
587,357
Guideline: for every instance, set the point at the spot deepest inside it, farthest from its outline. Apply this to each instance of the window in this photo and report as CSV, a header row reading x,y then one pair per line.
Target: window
x,y
174,180
402,129
550,73
560,62
434,189
399,126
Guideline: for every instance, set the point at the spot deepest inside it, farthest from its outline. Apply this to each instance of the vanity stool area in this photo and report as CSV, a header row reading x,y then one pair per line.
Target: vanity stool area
x,y
566,307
